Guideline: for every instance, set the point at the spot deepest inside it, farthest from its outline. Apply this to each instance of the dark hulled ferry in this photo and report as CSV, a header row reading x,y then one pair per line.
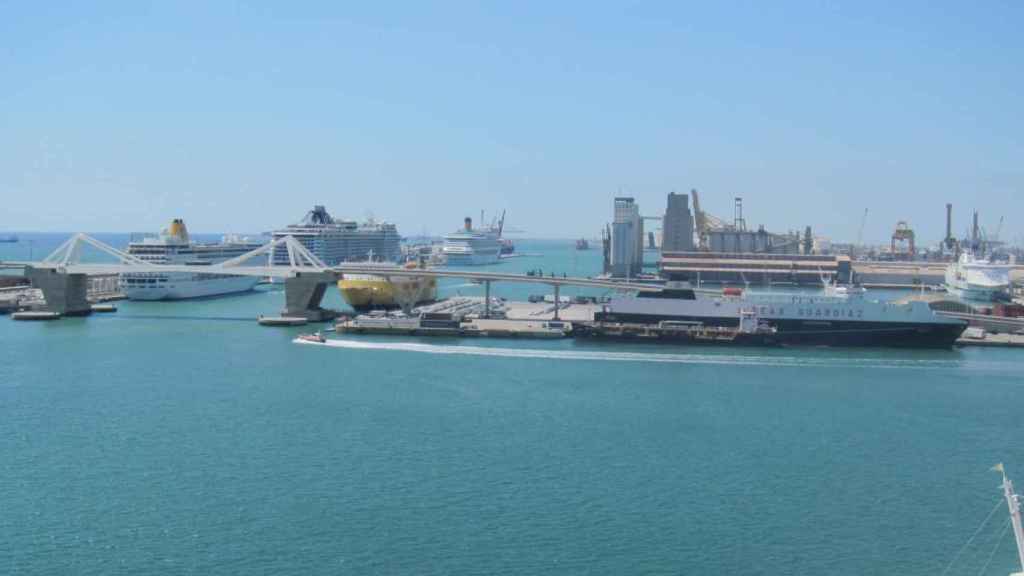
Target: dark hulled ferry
x,y
834,317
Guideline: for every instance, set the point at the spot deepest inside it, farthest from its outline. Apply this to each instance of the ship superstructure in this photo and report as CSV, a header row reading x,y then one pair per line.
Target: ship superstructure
x,y
977,278
335,241
174,246
833,317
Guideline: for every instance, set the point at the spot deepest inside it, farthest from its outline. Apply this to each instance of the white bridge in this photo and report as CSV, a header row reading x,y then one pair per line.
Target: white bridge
x,y
61,275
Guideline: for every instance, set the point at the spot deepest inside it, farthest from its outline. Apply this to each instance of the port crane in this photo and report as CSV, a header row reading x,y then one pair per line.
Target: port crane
x,y
704,222
903,233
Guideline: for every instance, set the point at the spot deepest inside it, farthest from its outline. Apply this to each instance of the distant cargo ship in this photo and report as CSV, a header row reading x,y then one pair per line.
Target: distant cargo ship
x,y
475,246
582,244
173,246
335,241
8,238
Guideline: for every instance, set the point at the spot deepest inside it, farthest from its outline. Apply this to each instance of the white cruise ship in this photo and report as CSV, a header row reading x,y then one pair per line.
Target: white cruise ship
x,y
335,241
474,247
977,279
173,246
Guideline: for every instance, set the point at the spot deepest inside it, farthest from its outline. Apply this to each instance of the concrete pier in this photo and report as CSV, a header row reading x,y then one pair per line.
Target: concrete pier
x,y
546,311
65,294
994,341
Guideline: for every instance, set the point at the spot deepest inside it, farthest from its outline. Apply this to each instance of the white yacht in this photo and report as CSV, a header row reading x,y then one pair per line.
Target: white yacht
x,y
173,246
977,278
474,246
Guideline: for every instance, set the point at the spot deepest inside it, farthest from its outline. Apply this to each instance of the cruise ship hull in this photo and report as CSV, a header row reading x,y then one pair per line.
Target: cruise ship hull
x,y
976,292
173,246
473,259
185,286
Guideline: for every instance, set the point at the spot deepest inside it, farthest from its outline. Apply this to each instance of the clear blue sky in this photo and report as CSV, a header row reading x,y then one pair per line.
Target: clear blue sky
x,y
119,116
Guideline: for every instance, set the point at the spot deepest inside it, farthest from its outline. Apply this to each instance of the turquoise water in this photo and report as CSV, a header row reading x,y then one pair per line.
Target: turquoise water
x,y
182,438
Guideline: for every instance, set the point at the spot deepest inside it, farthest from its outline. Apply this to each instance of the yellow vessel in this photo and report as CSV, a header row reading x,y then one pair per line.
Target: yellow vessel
x,y
368,291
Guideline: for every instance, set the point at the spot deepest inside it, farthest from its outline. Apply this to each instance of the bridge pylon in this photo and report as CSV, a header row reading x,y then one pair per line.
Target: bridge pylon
x,y
300,259
65,292
303,294
304,285
70,252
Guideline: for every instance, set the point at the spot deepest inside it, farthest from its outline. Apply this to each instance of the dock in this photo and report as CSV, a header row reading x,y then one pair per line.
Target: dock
x,y
993,341
282,321
38,316
567,311
475,316
100,289
807,270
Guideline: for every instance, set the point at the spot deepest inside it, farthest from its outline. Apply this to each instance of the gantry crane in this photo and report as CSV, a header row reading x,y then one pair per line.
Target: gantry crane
x,y
903,232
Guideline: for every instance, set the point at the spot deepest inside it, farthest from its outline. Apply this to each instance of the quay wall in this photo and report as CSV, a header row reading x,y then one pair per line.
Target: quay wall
x,y
764,269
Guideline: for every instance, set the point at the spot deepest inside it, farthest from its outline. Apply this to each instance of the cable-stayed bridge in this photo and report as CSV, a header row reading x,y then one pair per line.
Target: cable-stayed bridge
x,y
62,275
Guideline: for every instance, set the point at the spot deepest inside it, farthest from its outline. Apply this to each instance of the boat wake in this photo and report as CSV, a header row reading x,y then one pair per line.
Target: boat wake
x,y
463,285
732,359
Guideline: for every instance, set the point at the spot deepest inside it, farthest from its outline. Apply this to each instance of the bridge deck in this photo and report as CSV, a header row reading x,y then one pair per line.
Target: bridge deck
x,y
338,272
66,259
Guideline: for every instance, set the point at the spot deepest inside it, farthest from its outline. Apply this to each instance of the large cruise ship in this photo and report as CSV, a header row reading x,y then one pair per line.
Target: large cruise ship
x,y
977,279
173,246
474,246
335,241
834,317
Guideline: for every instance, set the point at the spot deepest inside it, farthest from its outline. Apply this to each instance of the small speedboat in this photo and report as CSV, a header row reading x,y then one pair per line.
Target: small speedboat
x,y
316,337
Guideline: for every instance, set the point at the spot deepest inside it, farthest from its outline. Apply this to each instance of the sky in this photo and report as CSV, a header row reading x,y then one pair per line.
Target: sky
x,y
116,117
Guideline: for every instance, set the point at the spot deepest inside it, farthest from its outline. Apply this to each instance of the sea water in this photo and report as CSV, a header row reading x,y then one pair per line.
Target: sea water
x,y
183,438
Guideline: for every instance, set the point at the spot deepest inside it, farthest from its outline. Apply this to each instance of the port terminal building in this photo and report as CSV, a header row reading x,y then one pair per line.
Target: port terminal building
x,y
748,268
627,239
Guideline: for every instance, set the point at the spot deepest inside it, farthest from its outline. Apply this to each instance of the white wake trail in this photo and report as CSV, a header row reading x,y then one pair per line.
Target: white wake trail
x,y
650,357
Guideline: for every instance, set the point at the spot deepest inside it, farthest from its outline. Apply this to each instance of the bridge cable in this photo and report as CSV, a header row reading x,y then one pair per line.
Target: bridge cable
x,y
999,503
999,542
